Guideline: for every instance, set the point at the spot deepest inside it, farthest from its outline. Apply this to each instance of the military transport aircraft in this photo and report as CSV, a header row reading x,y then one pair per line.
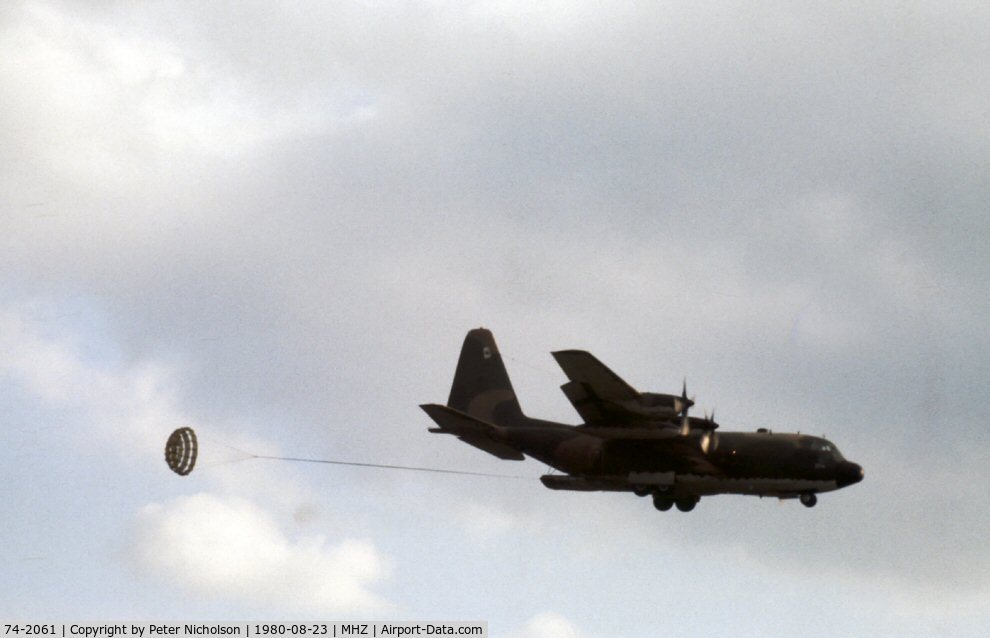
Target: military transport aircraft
x,y
643,443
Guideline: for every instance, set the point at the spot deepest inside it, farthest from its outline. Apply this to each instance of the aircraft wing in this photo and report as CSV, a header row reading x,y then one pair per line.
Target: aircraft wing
x,y
595,391
582,367
480,434
584,401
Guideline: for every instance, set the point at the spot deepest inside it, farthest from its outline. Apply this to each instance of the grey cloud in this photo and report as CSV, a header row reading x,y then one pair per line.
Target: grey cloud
x,y
785,206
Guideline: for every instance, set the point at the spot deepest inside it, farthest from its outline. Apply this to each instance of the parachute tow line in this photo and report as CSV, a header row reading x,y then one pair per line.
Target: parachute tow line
x,y
387,467
182,448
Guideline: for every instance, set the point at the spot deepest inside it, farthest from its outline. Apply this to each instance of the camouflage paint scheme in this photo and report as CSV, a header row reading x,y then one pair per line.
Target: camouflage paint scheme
x,y
643,443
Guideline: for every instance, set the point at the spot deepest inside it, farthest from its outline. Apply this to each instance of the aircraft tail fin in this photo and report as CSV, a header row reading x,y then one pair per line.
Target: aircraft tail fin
x,y
481,387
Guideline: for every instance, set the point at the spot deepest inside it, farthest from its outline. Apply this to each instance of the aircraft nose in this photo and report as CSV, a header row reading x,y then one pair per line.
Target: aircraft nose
x,y
850,473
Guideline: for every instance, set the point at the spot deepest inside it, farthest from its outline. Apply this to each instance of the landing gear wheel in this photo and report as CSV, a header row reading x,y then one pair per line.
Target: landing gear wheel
x,y
686,504
808,500
640,490
662,503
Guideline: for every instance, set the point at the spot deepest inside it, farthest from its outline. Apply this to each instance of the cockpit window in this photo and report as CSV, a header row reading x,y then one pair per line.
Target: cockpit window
x,y
827,448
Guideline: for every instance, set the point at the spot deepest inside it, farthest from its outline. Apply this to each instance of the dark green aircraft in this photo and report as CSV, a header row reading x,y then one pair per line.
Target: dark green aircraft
x,y
636,442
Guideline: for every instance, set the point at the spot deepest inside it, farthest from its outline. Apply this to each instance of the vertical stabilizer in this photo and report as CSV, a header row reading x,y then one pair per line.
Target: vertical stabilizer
x,y
481,385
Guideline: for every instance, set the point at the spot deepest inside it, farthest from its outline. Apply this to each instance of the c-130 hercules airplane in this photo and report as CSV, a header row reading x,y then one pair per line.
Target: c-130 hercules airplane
x,y
643,443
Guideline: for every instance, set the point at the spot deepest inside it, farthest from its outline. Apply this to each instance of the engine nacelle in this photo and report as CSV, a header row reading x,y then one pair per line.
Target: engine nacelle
x,y
653,406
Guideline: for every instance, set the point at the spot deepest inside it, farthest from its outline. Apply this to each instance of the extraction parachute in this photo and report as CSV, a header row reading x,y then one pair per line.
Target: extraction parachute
x,y
181,450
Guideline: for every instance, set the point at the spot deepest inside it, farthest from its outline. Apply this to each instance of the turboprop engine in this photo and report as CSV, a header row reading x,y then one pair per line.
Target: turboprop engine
x,y
652,405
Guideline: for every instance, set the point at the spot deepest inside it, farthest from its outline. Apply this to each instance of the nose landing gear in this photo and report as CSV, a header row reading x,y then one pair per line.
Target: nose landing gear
x,y
808,500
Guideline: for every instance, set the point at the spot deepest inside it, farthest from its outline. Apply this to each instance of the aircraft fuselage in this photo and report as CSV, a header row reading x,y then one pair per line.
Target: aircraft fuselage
x,y
759,463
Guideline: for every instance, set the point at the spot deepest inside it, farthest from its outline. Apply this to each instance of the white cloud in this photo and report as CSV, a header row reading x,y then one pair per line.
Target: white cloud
x,y
229,548
104,102
741,196
129,410
548,625
127,407
483,521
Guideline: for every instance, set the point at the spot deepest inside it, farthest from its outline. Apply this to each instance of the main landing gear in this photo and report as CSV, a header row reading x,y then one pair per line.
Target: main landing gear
x,y
808,500
664,502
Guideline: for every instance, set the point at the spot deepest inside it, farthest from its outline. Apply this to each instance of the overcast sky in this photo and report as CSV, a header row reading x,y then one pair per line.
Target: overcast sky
x,y
274,223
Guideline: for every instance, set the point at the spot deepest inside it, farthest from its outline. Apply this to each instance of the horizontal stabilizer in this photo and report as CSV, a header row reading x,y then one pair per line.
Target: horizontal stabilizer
x,y
501,450
473,431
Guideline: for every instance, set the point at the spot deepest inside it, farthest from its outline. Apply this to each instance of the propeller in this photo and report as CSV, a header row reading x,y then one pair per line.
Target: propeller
x,y
686,404
685,401
685,424
708,440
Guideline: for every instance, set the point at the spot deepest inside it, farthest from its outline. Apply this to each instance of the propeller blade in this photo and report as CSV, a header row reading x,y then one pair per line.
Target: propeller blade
x,y
686,403
709,441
